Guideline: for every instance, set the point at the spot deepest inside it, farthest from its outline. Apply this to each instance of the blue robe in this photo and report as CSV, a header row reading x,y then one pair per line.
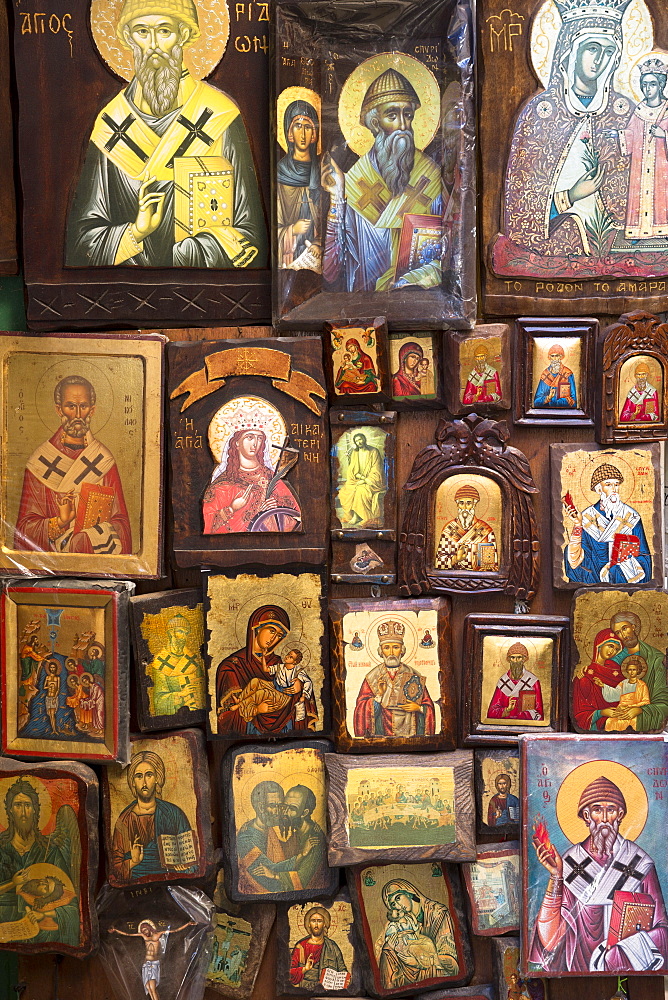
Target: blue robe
x,y
597,554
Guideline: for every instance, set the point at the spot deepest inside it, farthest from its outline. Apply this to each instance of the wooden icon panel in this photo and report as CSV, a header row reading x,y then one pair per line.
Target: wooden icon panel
x,y
417,369
493,884
497,791
479,369
248,448
378,703
239,940
555,374
356,361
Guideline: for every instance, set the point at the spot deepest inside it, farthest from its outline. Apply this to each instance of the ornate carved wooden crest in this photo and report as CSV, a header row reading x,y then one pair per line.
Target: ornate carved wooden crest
x,y
634,371
470,523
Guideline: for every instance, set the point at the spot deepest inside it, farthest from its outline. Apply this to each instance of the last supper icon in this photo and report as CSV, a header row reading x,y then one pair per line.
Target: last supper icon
x,y
247,491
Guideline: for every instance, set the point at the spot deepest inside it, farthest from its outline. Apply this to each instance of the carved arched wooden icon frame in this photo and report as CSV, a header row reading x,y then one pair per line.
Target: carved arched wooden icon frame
x,y
473,445
636,334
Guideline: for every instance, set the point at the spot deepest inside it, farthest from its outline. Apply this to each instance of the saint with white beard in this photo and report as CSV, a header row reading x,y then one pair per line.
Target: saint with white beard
x,y
466,541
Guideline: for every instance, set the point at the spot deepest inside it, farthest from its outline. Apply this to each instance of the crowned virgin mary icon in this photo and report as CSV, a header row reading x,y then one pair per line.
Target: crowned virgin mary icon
x,y
247,491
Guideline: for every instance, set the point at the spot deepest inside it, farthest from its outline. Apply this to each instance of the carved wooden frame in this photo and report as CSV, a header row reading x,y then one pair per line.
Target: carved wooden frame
x,y
444,740
339,851
465,958
529,327
636,333
472,444
476,627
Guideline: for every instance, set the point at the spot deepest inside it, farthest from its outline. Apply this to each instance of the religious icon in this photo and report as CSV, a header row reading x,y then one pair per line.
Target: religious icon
x,y
357,360
594,845
619,676
157,821
412,921
466,540
393,195
162,173
65,670
607,522
48,858
509,983
467,504
632,389
497,785
555,371
582,202
266,654
276,822
298,180
318,949
493,883
75,502
260,409
168,636
391,674
360,478
155,942
239,938
394,806
481,360
515,676
415,368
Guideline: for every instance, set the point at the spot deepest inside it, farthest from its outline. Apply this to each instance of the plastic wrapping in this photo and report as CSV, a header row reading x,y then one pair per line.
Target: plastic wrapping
x,y
65,669
82,431
156,941
374,193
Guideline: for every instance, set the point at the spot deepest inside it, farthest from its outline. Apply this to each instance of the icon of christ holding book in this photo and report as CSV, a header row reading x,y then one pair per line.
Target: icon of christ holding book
x,y
607,542
72,498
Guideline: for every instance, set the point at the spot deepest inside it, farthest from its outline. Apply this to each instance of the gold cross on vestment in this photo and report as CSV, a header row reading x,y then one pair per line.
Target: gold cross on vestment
x,y
625,522
415,198
372,195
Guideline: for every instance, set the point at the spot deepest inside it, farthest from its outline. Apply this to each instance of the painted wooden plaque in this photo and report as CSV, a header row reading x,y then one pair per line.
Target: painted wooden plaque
x,y
607,515
515,676
361,224
412,921
157,817
275,819
618,682
497,791
574,211
479,369
363,496
416,370
594,826
318,952
156,204
510,984
469,522
81,455
414,807
8,253
239,939
168,640
155,940
356,361
266,655
48,858
632,402
248,447
555,375
65,670
392,675
493,884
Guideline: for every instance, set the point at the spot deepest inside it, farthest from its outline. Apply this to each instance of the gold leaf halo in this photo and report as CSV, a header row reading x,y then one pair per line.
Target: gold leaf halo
x,y
573,785
244,411
285,98
372,639
637,35
75,364
634,74
45,803
201,57
243,809
427,116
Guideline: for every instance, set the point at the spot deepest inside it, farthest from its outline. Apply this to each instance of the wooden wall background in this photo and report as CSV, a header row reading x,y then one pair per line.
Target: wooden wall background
x,y
52,978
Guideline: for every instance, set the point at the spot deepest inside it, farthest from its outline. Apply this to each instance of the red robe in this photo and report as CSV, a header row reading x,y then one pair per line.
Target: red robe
x,y
402,386
220,494
39,505
370,382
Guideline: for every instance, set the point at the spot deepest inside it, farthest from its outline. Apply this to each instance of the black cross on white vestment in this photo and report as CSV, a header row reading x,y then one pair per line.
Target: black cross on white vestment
x,y
579,869
90,467
508,684
119,134
627,872
51,466
195,131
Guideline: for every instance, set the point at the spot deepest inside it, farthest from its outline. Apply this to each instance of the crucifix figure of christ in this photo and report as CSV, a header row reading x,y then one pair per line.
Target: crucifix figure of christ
x,y
369,203
155,943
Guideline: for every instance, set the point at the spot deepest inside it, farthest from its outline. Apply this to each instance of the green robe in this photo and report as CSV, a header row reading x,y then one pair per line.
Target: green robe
x,y
652,717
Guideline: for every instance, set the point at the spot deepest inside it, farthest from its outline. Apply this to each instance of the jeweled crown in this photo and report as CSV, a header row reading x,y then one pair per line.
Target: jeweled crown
x,y
391,630
571,10
653,66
